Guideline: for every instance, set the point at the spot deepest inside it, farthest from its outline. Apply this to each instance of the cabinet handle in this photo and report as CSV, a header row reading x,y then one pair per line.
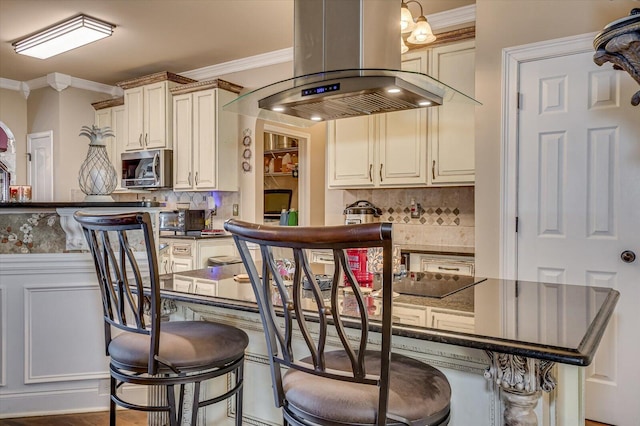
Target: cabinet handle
x,y
370,172
146,139
196,178
442,268
172,263
189,178
381,171
140,139
433,170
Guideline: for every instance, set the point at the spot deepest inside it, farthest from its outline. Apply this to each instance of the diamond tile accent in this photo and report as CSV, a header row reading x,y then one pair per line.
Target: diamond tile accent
x,y
390,210
439,211
447,210
440,221
406,219
406,210
456,221
456,211
422,220
391,219
430,210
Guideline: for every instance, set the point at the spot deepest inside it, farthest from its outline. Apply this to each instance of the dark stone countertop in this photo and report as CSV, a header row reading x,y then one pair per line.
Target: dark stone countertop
x,y
506,316
69,204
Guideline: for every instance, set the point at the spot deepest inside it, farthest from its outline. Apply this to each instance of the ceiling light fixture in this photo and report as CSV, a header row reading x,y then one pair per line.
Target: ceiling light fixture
x,y
421,32
68,35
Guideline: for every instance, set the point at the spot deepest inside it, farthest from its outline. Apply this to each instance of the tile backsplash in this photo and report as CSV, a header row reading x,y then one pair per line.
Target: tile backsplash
x,y
196,200
445,215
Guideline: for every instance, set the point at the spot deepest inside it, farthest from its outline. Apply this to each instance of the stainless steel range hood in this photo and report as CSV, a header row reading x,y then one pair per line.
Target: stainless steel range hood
x,y
346,64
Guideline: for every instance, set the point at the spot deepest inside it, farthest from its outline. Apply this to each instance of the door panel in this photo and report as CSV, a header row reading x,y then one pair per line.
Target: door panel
x,y
579,207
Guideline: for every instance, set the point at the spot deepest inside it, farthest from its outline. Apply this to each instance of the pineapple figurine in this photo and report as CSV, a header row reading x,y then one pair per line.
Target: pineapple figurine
x,y
97,177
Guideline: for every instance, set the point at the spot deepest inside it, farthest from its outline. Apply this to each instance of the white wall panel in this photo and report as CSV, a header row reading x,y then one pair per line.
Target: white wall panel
x,y
603,368
54,318
604,89
551,175
601,178
553,95
3,335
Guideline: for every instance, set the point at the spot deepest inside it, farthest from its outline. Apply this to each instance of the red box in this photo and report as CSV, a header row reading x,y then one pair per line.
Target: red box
x,y
357,259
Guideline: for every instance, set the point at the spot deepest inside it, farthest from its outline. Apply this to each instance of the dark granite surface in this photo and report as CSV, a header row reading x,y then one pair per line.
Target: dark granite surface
x,y
62,204
555,322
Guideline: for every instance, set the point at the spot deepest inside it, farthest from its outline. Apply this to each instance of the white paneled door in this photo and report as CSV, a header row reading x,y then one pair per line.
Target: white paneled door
x,y
579,207
40,165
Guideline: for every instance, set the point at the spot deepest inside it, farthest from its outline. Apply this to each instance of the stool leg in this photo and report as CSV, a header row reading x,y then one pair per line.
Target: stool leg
x,y
196,403
171,399
240,384
112,404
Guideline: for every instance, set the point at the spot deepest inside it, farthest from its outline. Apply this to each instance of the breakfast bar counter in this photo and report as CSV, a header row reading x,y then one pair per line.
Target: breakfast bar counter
x,y
523,329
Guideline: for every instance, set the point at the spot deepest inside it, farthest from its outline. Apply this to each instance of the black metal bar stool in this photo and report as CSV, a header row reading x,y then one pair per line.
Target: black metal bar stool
x,y
146,351
361,383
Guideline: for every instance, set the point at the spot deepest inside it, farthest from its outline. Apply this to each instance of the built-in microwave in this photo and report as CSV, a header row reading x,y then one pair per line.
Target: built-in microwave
x,y
147,169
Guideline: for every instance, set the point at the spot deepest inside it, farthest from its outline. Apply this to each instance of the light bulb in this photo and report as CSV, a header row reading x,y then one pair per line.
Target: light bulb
x,y
422,34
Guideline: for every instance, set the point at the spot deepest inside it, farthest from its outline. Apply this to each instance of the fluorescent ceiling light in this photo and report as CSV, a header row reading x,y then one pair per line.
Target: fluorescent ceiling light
x,y
60,38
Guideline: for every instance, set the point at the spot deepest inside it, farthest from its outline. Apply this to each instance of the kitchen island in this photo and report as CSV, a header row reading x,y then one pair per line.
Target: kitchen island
x,y
52,356
531,332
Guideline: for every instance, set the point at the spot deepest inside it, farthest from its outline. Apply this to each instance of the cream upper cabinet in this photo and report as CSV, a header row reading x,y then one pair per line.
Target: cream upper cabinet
x,y
451,126
205,138
148,108
148,115
383,150
115,118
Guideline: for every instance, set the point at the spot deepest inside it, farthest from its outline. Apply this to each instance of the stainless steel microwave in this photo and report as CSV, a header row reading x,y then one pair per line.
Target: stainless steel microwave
x,y
182,220
147,169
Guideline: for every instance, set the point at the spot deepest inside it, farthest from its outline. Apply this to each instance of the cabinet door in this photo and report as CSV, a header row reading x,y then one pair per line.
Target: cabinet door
x,y
104,119
204,139
155,116
182,135
134,105
351,152
181,264
402,147
402,142
119,127
452,130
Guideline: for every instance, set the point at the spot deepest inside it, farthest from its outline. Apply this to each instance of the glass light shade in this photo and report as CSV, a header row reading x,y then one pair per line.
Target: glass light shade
x,y
63,37
406,19
403,46
422,33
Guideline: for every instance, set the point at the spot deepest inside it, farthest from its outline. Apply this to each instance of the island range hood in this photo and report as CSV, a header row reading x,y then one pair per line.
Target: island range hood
x,y
346,63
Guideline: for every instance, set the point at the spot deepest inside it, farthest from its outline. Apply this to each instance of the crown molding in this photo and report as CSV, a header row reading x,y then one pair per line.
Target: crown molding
x,y
262,60
449,18
59,82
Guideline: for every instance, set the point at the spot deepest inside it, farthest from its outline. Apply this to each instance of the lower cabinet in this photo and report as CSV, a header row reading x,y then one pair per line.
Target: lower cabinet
x,y
186,255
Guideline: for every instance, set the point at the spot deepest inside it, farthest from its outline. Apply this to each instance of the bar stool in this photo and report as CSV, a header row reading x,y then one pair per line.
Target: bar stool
x,y
360,383
147,351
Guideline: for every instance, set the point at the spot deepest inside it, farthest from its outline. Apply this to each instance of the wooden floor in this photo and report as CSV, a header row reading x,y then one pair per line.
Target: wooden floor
x,y
125,418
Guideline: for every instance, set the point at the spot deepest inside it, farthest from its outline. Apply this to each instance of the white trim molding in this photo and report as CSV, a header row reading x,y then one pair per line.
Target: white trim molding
x,y
512,57
449,18
59,82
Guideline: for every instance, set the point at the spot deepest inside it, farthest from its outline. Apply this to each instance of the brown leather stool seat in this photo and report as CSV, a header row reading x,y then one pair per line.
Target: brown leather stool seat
x,y
209,344
418,392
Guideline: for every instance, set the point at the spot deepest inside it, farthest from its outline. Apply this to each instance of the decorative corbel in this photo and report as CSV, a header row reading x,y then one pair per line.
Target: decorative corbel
x,y
619,43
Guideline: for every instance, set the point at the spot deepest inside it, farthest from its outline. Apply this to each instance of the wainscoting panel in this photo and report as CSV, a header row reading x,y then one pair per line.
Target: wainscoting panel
x,y
63,334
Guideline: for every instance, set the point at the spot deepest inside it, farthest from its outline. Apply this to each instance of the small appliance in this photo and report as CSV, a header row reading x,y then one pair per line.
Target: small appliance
x,y
147,169
182,220
362,211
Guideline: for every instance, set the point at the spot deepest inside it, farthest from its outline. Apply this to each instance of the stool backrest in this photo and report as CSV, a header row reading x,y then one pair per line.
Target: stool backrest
x,y
121,280
323,313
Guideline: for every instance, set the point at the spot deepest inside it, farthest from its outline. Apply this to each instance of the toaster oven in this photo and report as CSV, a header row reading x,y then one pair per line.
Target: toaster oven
x,y
182,220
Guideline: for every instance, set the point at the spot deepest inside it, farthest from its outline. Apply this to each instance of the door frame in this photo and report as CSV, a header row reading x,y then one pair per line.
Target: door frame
x,y
49,135
512,58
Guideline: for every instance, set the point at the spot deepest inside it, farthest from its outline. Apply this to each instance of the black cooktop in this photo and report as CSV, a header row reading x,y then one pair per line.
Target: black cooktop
x,y
433,284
